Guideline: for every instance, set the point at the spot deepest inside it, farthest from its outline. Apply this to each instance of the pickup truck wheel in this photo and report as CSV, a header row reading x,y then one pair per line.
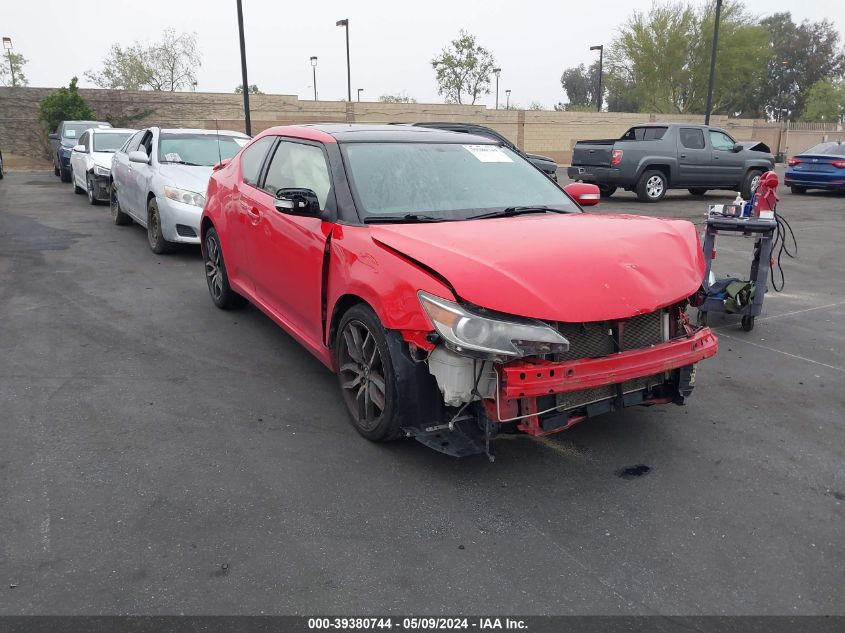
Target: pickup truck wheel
x,y
606,191
697,191
652,186
749,185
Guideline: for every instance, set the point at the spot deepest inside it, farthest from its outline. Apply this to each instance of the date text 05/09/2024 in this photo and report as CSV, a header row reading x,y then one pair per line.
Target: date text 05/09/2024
x,y
416,624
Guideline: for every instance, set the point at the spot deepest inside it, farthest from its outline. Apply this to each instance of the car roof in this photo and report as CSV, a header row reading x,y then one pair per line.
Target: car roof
x,y
371,132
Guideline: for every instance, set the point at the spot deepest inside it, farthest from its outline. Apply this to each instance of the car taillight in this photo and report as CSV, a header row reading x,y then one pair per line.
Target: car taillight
x,y
615,157
839,164
792,162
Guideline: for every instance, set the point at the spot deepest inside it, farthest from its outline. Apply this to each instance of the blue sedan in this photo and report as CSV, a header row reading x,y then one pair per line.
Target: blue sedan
x,y
820,167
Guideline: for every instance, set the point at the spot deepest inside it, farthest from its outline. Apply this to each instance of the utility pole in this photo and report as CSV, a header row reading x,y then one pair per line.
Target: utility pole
x,y
709,106
247,121
345,23
496,72
314,70
600,49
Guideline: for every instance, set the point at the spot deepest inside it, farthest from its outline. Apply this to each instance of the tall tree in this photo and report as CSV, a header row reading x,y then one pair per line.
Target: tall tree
x,y
168,65
12,65
65,104
663,57
463,70
825,102
581,85
253,89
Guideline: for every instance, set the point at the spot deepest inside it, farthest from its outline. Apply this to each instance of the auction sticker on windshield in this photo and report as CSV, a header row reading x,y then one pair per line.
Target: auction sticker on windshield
x,y
488,153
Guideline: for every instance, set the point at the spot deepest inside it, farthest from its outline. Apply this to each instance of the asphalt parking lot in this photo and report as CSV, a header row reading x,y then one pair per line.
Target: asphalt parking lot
x,y
160,456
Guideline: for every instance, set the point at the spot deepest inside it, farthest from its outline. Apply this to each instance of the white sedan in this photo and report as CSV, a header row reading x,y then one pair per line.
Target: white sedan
x,y
90,161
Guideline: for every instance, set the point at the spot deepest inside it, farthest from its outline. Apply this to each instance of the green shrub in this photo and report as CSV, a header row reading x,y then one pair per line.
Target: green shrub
x,y
65,104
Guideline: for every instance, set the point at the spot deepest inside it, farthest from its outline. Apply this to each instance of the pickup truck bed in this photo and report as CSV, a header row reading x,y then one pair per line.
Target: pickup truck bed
x,y
651,159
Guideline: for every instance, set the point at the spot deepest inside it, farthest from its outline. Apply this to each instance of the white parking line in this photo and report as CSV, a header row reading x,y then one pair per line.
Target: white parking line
x,y
780,351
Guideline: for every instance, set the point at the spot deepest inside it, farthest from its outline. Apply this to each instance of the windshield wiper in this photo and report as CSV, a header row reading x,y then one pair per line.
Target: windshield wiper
x,y
408,218
182,162
511,211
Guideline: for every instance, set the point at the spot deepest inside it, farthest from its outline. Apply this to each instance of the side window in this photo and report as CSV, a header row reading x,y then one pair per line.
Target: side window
x,y
253,157
147,143
692,138
721,141
83,140
301,166
133,143
654,133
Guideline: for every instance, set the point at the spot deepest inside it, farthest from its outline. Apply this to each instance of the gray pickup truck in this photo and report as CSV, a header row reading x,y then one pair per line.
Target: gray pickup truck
x,y
653,158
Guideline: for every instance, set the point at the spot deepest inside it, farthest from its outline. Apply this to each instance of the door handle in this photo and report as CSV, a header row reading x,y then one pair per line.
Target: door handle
x,y
683,155
253,214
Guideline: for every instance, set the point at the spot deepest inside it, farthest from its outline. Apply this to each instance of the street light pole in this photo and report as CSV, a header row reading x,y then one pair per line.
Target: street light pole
x,y
314,70
496,72
709,107
508,105
247,121
360,90
599,99
345,23
7,44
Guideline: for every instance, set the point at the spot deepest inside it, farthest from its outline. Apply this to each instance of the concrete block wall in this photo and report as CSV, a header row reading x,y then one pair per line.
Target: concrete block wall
x,y
553,134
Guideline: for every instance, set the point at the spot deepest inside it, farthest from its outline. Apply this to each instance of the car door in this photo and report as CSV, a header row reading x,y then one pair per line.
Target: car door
x,y
242,210
728,165
285,250
122,172
77,160
141,173
693,157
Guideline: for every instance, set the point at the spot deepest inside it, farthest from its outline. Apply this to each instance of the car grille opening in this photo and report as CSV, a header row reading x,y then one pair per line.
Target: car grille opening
x,y
185,231
602,338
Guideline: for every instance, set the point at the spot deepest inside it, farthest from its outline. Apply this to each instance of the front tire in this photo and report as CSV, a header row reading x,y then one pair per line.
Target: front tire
x,y
749,185
216,276
367,375
155,237
65,175
652,186
89,189
798,191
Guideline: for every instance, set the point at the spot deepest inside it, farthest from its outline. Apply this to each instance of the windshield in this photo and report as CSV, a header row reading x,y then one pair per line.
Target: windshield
x,y
110,141
445,180
198,149
75,130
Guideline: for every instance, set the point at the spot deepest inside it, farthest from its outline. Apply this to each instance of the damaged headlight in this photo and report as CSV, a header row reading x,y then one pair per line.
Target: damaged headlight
x,y
101,171
474,335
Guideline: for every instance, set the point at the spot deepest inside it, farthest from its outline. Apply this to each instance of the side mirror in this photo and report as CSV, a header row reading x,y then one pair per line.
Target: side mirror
x,y
79,148
583,193
297,201
737,148
53,137
138,156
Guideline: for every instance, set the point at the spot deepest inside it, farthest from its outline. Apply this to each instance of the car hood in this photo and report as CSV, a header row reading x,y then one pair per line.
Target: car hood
x,y
102,159
545,159
574,267
190,177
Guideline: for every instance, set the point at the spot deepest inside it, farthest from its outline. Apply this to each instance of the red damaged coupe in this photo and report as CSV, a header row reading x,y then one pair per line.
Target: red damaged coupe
x,y
457,292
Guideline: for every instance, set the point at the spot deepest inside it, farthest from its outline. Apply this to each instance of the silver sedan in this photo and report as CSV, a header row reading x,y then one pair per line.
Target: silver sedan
x,y
159,179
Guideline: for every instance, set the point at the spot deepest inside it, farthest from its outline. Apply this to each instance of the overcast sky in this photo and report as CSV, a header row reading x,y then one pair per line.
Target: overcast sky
x,y
391,46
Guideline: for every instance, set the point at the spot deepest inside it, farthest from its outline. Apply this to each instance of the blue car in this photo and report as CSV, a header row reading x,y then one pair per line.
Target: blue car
x,y
820,167
64,139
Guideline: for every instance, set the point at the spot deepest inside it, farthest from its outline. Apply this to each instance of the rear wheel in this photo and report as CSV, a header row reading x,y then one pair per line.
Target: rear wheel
x,y
155,237
697,191
652,186
606,190
798,190
215,275
76,188
749,185
55,171
366,374
117,215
